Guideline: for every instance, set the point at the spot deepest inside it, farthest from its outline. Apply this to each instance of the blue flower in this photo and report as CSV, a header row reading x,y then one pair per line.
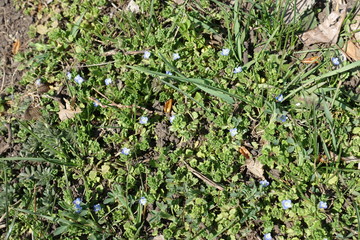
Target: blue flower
x,y
172,118
286,204
68,75
233,132
143,120
77,208
169,73
323,205
147,55
77,201
78,79
237,70
143,201
267,236
108,81
225,52
279,98
96,103
97,207
335,61
264,183
38,82
283,118
125,151
175,56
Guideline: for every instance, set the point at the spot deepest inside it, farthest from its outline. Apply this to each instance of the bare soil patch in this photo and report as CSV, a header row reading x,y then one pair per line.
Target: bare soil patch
x,y
14,26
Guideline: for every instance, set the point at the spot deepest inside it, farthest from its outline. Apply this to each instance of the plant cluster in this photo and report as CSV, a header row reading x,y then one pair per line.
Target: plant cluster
x,y
145,112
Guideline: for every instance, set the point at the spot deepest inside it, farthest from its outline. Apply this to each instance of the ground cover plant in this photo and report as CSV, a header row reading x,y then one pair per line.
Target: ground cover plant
x,y
182,120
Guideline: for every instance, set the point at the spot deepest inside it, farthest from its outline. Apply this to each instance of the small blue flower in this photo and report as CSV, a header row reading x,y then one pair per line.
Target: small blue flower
x,y
97,207
147,55
225,52
143,201
335,61
233,132
78,208
143,120
125,151
175,56
68,75
237,70
286,204
264,183
169,73
279,98
96,103
267,236
78,79
283,118
172,118
108,81
77,201
38,82
323,205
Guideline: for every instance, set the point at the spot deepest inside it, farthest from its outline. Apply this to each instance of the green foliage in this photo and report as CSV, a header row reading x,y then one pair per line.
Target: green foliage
x,y
180,166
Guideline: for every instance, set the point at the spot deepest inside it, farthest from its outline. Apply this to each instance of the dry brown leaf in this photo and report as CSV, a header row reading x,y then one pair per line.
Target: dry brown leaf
x,y
32,113
353,50
16,46
159,237
179,2
356,26
311,60
244,152
328,31
67,112
132,7
255,167
168,106
301,7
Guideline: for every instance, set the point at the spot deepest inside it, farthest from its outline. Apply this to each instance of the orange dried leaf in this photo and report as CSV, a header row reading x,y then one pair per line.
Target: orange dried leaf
x,y
245,152
16,46
168,106
323,159
311,60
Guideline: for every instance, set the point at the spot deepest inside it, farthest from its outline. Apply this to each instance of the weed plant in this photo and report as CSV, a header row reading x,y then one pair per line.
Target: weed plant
x,y
121,168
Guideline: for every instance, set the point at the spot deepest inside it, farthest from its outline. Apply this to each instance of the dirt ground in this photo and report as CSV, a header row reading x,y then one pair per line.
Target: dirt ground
x,y
13,27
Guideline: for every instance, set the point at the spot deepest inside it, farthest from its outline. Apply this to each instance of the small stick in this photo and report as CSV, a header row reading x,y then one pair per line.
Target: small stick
x,y
119,105
202,177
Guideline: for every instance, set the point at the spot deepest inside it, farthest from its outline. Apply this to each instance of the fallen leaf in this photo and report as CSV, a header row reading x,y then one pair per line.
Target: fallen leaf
x,y
328,31
311,60
355,27
244,152
159,237
67,112
323,159
43,88
168,106
255,167
179,2
132,7
297,7
32,113
16,46
352,50
41,29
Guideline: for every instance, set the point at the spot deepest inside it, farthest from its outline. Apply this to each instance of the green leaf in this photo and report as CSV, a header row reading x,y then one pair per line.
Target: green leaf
x,y
60,230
